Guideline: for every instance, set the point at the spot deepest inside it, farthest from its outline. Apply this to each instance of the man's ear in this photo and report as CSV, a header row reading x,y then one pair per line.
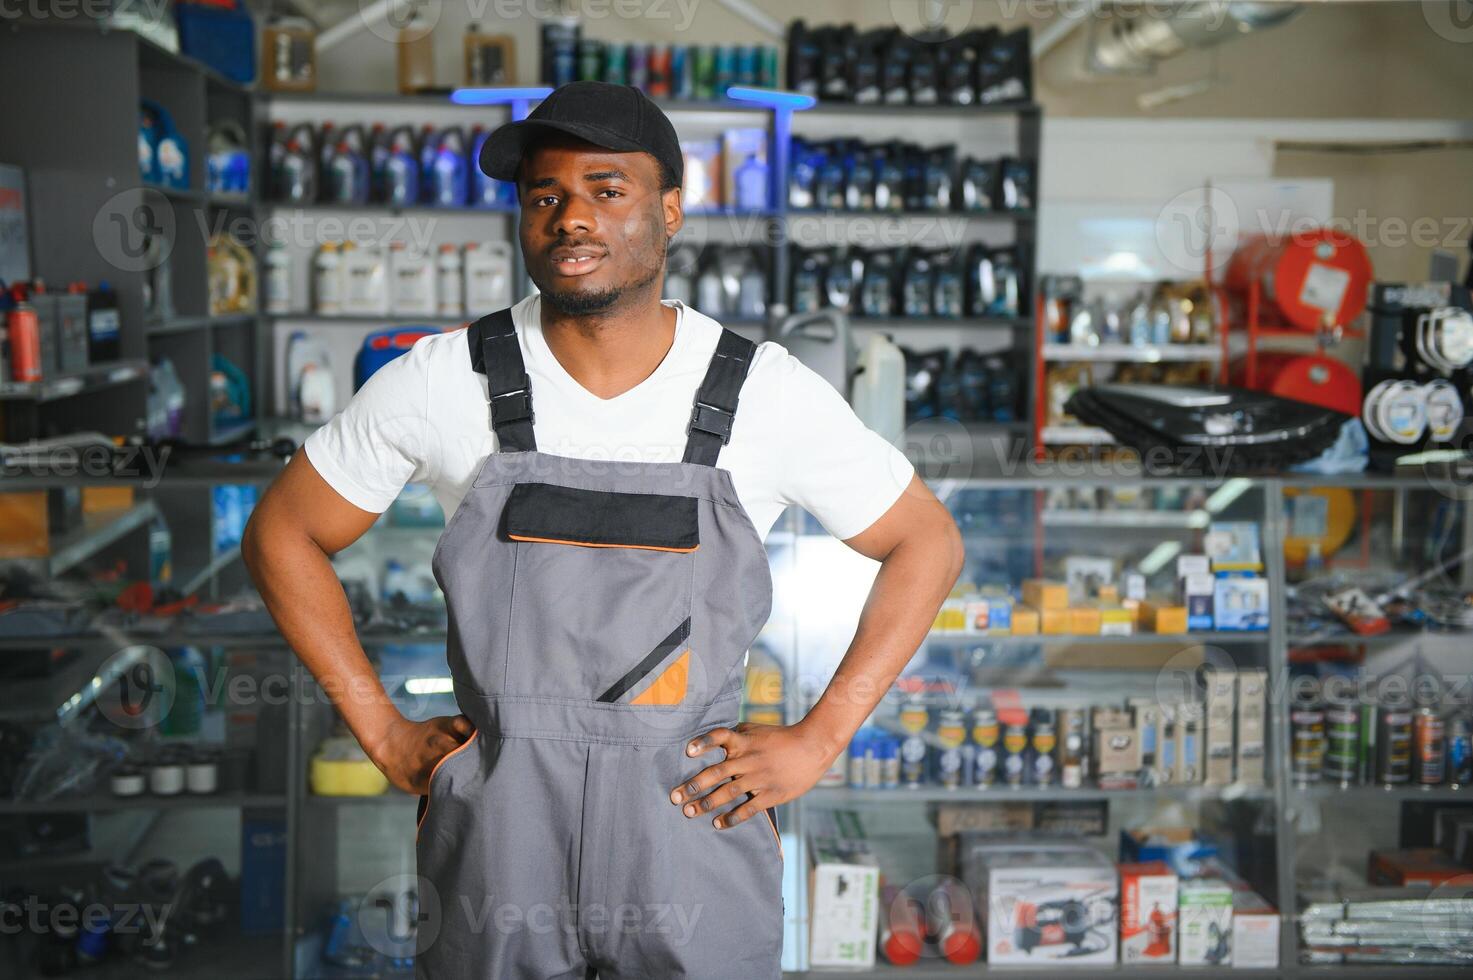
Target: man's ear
x,y
670,203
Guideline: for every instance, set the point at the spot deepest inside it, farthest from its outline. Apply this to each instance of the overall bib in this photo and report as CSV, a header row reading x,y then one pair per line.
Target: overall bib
x,y
599,613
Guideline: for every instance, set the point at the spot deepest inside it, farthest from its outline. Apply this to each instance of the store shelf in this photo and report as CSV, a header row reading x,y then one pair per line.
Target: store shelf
x,y
1129,353
77,545
390,797
372,319
844,796
388,209
850,108
1353,795
224,435
997,215
1127,519
93,378
1395,637
74,686
1207,637
182,324
1076,435
216,565
900,320
1046,969
184,801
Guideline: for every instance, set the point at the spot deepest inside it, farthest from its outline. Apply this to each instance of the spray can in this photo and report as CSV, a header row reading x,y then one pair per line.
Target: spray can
x,y
1042,769
913,720
24,328
1014,745
1394,746
659,71
1459,751
680,72
1429,740
857,748
950,734
986,736
889,756
704,72
1071,748
1307,737
1342,750
636,61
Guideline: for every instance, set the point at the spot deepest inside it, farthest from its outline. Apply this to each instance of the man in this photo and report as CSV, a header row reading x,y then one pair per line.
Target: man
x,y
604,579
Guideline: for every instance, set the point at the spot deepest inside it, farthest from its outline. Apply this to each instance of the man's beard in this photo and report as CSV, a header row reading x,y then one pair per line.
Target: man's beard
x,y
574,302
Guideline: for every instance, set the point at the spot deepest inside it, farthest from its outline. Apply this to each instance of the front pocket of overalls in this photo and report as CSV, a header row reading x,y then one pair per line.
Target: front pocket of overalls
x,y
602,595
427,799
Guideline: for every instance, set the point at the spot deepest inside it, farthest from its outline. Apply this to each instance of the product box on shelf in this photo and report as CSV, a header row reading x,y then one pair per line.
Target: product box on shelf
x,y
1240,602
1086,575
1084,620
1025,621
1189,743
1251,707
1205,922
1147,913
1197,595
1179,847
1255,941
1116,749
844,886
1044,903
1413,866
1161,616
1043,593
1219,688
1147,714
1233,546
1116,621
1054,620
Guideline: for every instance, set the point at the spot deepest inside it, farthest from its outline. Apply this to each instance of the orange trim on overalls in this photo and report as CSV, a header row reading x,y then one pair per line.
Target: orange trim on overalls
x,y
597,544
669,687
430,783
775,835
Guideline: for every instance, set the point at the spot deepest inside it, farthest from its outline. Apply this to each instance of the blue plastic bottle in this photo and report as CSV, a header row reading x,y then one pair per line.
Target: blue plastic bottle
x,y
448,187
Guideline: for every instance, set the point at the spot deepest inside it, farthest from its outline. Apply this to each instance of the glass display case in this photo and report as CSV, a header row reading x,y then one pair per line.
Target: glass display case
x,y
1129,670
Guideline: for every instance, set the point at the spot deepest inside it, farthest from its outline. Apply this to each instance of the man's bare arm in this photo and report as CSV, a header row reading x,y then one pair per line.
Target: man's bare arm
x,y
920,553
299,523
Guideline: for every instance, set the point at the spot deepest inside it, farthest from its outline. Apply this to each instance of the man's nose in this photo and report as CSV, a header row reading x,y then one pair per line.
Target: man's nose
x,y
575,216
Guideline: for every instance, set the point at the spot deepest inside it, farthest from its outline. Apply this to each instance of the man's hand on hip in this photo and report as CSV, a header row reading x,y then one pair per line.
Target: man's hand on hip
x,y
765,765
408,751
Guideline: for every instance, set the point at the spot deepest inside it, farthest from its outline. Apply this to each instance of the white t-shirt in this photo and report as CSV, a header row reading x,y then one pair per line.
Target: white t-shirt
x,y
423,418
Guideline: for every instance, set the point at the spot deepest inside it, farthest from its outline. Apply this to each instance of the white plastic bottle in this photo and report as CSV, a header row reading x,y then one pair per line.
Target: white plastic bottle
x,y
450,282
879,388
487,277
278,279
412,281
365,283
327,280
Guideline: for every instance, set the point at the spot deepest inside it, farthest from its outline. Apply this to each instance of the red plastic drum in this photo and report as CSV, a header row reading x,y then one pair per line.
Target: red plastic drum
x,y
1313,378
1315,278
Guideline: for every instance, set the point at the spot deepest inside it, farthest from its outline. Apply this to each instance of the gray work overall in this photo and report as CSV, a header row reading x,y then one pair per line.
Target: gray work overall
x,y
599,613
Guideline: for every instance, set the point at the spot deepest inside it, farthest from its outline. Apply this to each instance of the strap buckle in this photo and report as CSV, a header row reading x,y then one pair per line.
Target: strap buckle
x,y
512,406
712,419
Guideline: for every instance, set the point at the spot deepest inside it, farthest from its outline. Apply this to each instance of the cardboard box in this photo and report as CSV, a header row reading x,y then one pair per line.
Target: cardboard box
x,y
1086,574
1148,736
1084,621
1179,847
1116,754
1108,594
1255,932
1157,616
1135,586
1196,594
1252,694
844,890
23,525
1054,621
1044,903
1147,913
98,500
1190,565
1240,604
1205,923
999,615
1166,746
1116,621
1233,546
1025,621
1413,866
1189,743
1042,593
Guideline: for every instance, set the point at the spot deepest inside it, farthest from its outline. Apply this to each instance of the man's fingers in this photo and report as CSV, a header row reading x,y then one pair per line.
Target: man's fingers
x,y
715,737
738,815
701,782
718,797
462,726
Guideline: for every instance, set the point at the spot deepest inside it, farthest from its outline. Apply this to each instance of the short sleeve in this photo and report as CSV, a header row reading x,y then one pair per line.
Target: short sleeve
x,y
380,440
833,466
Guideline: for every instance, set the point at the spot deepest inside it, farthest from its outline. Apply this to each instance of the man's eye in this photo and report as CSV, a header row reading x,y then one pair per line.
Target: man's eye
x,y
611,192
544,200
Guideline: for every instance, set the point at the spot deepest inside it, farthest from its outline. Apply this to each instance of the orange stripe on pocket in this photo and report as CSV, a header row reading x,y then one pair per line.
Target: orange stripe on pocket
x,y
771,823
430,784
669,687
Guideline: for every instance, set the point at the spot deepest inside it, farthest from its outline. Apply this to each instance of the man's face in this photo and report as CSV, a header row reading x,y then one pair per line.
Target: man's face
x,y
594,224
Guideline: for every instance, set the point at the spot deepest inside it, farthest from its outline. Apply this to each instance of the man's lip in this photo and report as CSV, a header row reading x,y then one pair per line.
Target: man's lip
x,y
575,261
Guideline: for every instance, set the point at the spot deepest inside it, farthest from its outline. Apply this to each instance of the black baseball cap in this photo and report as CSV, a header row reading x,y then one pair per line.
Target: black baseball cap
x,y
615,117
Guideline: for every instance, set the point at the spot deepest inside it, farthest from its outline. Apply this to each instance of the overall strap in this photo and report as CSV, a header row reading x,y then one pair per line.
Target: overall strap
x,y
716,399
496,353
